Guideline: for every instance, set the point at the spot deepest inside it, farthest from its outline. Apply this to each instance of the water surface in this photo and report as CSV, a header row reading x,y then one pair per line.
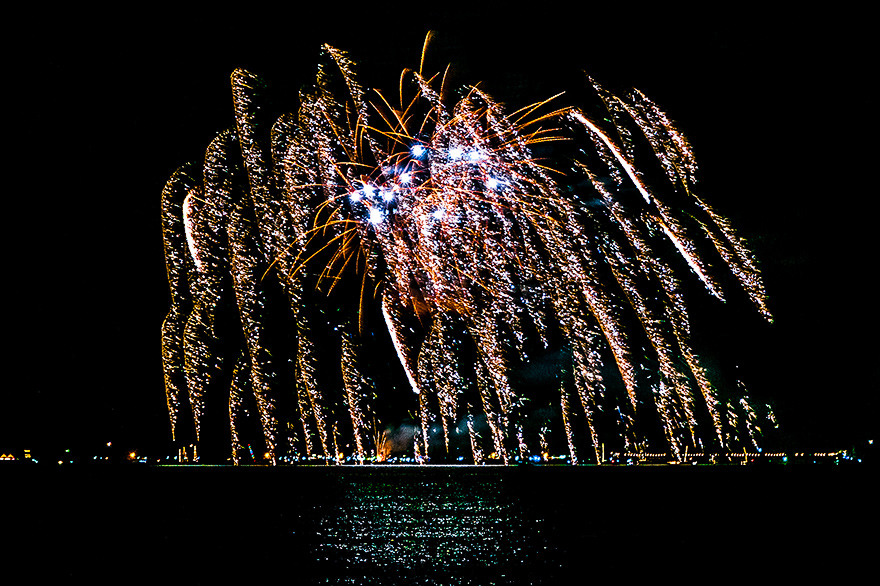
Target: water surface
x,y
431,525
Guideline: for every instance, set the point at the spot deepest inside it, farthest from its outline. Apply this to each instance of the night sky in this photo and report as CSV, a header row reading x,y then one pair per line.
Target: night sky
x,y
777,107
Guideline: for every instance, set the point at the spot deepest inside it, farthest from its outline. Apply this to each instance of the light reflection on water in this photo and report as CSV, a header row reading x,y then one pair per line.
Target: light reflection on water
x,y
434,526
446,527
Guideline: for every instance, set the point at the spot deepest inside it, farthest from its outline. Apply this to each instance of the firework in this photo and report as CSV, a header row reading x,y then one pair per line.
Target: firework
x,y
433,218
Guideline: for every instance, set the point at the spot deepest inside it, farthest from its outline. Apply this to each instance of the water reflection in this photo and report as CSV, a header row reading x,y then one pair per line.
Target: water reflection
x,y
440,527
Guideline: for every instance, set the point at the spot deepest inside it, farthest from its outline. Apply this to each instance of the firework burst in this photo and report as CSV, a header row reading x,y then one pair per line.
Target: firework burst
x,y
434,217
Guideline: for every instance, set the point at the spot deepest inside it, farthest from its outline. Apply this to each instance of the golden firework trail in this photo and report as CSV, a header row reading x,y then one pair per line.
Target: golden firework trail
x,y
480,258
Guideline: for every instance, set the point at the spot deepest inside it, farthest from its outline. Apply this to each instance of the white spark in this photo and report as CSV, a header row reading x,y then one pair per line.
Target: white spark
x,y
188,227
398,347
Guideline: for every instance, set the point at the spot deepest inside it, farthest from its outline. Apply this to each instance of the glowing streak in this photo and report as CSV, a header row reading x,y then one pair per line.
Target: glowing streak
x,y
643,190
691,261
398,347
623,162
189,227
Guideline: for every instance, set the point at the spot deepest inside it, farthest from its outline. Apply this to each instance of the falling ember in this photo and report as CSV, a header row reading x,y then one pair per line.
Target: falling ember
x,y
189,220
401,353
432,224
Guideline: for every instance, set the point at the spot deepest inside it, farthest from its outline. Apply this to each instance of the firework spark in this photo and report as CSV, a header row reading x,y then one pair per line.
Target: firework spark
x,y
480,258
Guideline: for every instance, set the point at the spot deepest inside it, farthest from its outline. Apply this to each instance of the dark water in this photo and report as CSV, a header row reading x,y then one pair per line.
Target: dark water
x,y
434,525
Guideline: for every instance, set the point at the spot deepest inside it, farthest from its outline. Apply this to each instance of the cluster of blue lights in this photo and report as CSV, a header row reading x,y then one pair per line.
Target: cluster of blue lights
x,y
377,198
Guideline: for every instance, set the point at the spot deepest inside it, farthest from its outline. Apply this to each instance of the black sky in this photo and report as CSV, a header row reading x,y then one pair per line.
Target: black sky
x,y
778,108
